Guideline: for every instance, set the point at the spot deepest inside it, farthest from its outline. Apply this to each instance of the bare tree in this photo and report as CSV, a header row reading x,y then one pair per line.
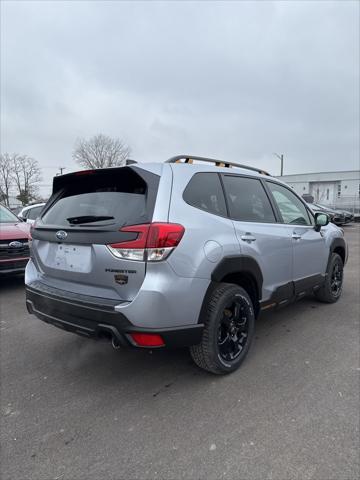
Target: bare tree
x,y
100,151
6,179
26,174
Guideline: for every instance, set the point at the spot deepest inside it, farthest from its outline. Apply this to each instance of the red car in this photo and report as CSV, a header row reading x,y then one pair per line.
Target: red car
x,y
14,243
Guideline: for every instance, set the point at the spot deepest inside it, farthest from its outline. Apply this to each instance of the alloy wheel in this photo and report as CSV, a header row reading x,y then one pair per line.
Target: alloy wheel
x,y
233,330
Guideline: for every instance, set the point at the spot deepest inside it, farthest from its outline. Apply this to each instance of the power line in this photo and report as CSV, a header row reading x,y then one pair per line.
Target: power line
x,y
54,166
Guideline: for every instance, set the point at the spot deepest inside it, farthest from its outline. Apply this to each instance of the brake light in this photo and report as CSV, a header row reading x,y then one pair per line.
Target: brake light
x,y
147,340
140,240
154,242
164,235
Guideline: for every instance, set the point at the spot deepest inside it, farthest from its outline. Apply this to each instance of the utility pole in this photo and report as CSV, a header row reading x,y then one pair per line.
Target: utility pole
x,y
61,169
281,158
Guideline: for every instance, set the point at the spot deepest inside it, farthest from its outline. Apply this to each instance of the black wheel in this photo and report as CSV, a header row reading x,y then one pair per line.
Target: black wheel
x,y
330,292
229,328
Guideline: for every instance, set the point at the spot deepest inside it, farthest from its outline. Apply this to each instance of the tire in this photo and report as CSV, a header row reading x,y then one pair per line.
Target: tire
x,y
228,330
331,291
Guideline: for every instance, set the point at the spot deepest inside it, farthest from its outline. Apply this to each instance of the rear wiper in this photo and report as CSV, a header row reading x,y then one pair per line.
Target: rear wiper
x,y
88,219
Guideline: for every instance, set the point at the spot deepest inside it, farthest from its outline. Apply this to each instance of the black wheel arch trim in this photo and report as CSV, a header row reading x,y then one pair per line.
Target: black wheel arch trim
x,y
233,264
338,243
238,264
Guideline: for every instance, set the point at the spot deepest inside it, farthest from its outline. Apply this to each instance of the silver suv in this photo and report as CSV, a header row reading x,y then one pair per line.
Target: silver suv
x,y
184,253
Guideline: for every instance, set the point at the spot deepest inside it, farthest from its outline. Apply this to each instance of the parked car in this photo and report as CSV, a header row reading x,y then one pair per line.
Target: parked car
x,y
178,254
31,212
14,243
16,210
344,214
335,216
349,217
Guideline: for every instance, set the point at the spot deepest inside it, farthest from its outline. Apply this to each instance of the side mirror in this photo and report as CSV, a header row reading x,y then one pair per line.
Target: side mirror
x,y
321,220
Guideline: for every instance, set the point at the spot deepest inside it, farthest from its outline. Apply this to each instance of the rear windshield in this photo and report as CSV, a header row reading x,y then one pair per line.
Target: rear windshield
x,y
109,197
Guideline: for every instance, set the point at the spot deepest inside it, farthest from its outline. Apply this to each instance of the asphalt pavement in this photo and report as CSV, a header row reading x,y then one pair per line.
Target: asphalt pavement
x,y
72,408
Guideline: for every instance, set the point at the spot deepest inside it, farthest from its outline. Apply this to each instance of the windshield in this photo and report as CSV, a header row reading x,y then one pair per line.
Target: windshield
x,y
6,216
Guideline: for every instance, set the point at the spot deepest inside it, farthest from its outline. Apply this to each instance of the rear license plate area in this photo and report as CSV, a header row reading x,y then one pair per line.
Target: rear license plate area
x,y
71,258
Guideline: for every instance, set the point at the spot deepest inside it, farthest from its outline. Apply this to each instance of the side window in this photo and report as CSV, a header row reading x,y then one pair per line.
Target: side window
x,y
204,191
33,213
247,200
292,210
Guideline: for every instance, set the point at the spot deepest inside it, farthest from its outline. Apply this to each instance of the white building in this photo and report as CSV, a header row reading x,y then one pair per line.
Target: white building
x,y
335,189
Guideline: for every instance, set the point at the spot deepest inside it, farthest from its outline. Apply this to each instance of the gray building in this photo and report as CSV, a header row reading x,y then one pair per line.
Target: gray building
x,y
334,189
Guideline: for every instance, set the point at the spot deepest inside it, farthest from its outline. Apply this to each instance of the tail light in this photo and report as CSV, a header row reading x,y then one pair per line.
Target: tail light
x,y
154,242
32,228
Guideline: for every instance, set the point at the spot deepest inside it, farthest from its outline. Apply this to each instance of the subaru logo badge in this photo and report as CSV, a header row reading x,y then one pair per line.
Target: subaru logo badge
x,y
61,235
15,244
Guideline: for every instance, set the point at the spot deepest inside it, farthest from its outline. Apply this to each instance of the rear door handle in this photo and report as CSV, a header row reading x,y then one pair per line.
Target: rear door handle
x,y
296,236
248,238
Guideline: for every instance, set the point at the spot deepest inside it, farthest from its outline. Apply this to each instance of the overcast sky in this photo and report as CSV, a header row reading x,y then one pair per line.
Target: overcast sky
x,y
234,80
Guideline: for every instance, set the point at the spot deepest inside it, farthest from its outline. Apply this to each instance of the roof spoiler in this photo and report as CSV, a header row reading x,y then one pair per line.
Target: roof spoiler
x,y
59,181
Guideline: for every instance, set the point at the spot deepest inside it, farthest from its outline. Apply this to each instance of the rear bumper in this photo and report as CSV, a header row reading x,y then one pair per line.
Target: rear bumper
x,y
96,318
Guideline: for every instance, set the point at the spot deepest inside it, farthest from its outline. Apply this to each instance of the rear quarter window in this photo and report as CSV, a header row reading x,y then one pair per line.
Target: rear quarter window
x,y
204,191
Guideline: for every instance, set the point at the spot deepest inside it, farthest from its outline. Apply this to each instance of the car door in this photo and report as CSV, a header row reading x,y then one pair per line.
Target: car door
x,y
259,234
310,255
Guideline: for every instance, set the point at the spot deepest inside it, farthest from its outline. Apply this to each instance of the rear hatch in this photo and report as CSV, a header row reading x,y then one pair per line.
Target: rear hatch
x,y
85,214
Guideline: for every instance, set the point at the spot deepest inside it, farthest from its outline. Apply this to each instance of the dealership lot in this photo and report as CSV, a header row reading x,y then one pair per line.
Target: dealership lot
x,y
72,408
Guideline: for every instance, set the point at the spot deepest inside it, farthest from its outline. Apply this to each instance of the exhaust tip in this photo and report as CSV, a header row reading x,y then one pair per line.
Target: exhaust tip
x,y
115,343
110,334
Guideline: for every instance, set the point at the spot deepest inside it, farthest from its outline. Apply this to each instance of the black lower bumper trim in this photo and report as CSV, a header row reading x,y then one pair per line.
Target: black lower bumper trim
x,y
15,266
82,318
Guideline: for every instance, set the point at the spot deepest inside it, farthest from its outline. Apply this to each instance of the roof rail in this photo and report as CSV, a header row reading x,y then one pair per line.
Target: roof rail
x,y
130,162
218,163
